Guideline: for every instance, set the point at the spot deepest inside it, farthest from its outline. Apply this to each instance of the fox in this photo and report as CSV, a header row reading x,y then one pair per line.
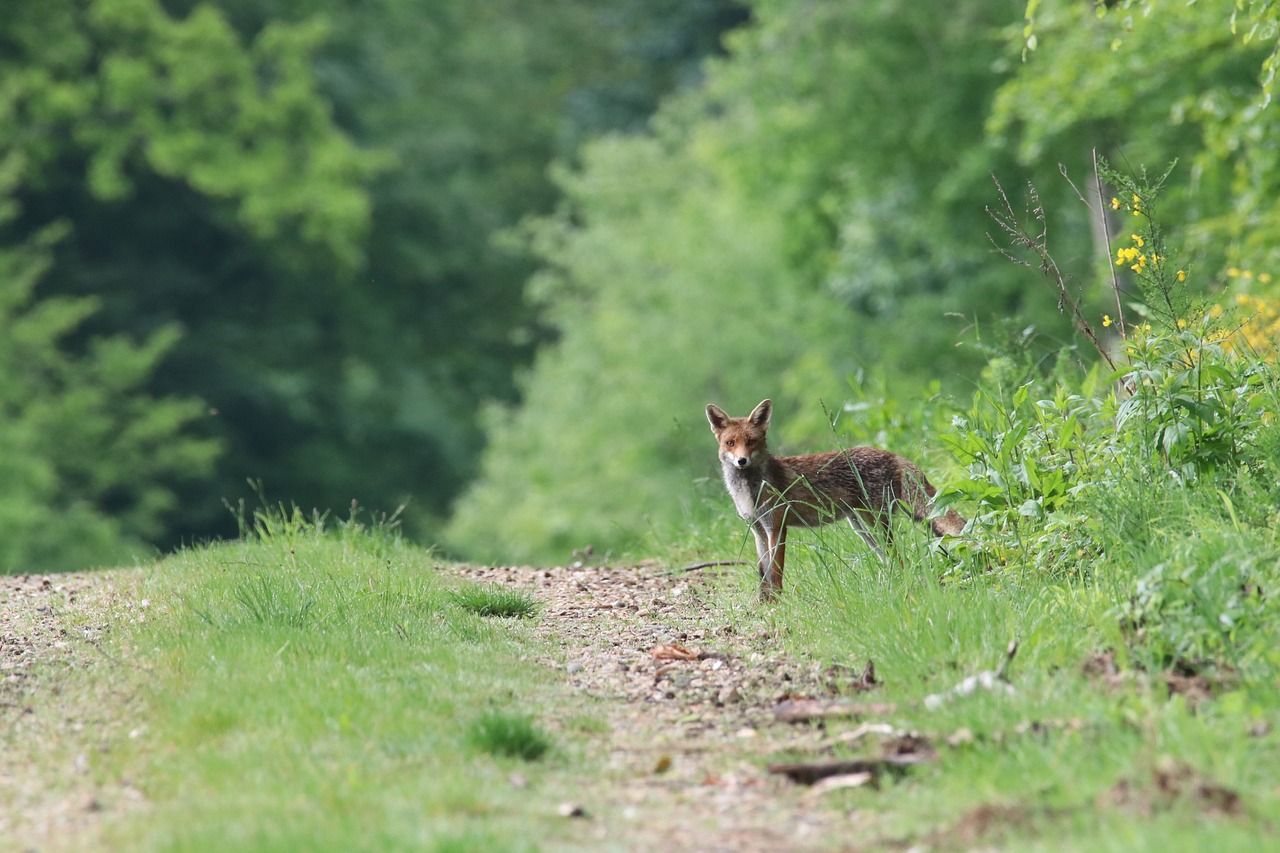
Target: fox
x,y
861,484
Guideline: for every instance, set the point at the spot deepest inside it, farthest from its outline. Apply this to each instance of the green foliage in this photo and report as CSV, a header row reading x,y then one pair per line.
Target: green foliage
x,y
311,192
194,173
562,471
123,84
1202,602
719,259
1127,478
1152,85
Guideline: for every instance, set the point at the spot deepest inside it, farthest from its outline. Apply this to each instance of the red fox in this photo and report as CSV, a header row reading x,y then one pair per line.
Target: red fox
x,y
862,484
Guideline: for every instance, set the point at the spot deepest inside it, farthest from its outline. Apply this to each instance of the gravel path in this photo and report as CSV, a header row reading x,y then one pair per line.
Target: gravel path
x,y
53,722
688,739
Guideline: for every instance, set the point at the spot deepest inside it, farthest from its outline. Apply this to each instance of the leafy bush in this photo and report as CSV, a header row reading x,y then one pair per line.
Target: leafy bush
x,y
1124,472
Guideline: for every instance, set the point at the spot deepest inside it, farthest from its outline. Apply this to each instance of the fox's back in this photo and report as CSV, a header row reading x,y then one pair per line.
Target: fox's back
x,y
819,485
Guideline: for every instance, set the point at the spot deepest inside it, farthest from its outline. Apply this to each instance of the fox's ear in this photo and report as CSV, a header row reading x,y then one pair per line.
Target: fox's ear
x,y
716,417
761,414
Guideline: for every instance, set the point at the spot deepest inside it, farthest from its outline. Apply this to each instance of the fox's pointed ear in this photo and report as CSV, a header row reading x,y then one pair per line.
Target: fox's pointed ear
x,y
716,417
761,414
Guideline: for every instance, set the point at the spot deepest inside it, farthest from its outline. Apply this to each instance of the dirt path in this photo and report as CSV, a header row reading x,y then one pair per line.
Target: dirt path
x,y
53,722
687,740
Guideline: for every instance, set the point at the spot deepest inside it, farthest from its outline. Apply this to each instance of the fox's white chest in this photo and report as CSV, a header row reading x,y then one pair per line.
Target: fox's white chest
x,y
744,489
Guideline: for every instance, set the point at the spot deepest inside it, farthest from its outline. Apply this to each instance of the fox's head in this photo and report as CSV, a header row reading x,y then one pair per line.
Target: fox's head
x,y
742,440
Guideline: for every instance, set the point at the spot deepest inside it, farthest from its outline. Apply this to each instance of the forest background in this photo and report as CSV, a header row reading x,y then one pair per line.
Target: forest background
x,y
482,265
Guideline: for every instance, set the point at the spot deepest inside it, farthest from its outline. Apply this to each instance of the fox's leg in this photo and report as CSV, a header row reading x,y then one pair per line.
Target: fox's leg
x,y
859,525
764,548
771,583
771,546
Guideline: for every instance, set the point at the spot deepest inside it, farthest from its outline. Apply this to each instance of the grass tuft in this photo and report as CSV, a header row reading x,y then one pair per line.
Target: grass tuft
x,y
508,735
498,601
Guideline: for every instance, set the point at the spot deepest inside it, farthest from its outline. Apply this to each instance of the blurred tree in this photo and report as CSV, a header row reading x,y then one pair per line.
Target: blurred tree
x,y
1148,86
88,459
198,177
474,101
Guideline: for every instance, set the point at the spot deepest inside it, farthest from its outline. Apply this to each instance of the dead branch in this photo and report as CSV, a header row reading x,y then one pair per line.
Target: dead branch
x,y
1038,245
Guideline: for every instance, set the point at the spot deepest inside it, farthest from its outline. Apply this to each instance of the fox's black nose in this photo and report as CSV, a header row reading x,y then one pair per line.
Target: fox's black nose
x,y
742,461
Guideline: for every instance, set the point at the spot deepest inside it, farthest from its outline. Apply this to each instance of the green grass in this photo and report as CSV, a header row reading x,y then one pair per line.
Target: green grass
x,y
492,600
325,692
510,735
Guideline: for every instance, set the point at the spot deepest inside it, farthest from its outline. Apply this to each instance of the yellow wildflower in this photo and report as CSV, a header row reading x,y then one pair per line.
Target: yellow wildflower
x,y
1233,272
1106,320
1264,277
1137,238
1182,324
1182,275
1115,203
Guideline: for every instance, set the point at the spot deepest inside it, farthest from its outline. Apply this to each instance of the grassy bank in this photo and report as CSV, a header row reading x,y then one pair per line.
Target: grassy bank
x,y
310,690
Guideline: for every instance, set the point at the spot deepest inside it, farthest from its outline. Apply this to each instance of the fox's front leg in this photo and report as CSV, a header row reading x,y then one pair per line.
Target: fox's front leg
x,y
771,553
764,549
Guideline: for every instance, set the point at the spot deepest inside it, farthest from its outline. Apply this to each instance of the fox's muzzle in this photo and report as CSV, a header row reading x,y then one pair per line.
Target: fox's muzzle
x,y
742,462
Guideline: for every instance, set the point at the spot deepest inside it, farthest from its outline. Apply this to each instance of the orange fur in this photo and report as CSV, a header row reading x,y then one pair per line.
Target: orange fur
x,y
861,484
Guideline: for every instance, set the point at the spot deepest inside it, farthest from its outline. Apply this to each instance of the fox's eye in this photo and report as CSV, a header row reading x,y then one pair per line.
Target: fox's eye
x,y
729,443
751,442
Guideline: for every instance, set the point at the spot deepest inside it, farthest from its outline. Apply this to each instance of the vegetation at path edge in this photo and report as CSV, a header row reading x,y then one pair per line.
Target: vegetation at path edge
x,y
1124,534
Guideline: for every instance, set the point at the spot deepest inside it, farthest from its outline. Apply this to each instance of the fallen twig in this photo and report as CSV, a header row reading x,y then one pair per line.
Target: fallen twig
x,y
807,773
986,680
707,565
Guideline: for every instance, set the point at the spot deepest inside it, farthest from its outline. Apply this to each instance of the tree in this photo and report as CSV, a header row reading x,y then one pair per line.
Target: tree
x,y
198,177
88,459
313,192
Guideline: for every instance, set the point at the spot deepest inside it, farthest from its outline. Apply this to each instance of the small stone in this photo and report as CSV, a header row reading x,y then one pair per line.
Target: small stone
x,y
571,810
